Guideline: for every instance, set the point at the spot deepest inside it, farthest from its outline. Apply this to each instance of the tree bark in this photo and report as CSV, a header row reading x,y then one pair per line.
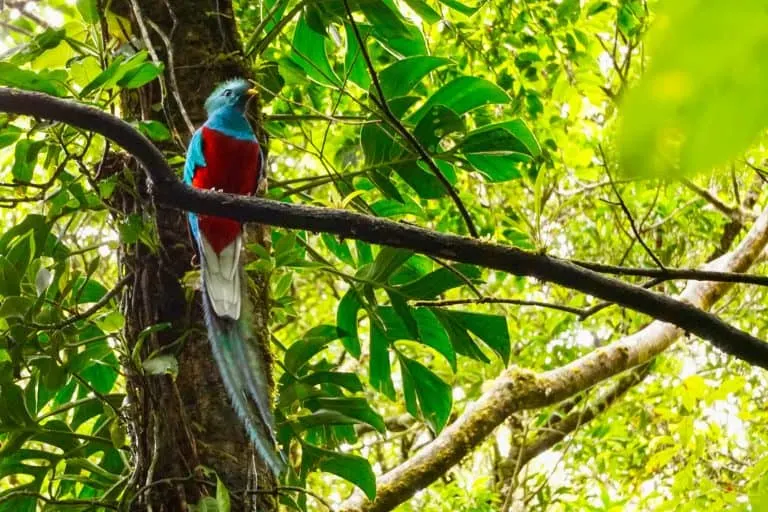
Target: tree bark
x,y
184,424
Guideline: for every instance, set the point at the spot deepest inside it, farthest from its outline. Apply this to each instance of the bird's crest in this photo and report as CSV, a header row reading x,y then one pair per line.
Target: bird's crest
x,y
234,92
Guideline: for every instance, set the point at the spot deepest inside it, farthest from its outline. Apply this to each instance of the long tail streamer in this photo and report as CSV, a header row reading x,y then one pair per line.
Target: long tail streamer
x,y
243,369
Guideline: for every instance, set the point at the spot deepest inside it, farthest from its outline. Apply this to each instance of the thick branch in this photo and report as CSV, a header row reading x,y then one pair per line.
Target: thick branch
x,y
575,419
169,190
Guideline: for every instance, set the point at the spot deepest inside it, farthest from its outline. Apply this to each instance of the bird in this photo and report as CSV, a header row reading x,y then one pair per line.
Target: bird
x,y
225,155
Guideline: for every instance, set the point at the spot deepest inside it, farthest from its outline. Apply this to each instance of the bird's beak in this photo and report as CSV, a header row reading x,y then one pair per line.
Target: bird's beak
x,y
252,92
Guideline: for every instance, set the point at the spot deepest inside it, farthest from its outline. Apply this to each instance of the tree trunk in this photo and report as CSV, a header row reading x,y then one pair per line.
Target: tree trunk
x,y
180,425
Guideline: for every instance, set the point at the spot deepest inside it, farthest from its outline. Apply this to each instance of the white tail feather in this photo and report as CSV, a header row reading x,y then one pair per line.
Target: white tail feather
x,y
222,279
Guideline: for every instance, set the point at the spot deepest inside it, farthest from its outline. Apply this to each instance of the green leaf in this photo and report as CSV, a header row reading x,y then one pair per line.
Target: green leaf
x,y
461,7
354,62
432,333
222,497
25,159
506,137
15,307
385,185
155,130
339,248
311,343
349,381
14,406
161,365
13,76
437,123
352,468
403,310
310,54
433,397
390,208
141,75
324,418
569,10
462,95
399,78
424,11
440,281
108,76
704,103
597,7
9,134
497,151
387,261
112,321
380,367
461,341
352,407
88,291
423,182
346,320
89,10
491,329
22,251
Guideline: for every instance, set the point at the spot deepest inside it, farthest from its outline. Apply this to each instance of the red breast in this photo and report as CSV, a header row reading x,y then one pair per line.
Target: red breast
x,y
233,165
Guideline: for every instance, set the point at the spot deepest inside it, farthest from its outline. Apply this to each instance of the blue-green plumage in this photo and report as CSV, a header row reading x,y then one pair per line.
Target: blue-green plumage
x,y
224,153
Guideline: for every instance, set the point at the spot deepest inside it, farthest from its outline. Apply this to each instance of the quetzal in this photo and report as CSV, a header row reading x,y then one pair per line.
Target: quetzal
x,y
225,155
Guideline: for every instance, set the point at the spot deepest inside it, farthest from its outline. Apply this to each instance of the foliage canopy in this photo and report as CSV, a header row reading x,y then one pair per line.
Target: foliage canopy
x,y
530,123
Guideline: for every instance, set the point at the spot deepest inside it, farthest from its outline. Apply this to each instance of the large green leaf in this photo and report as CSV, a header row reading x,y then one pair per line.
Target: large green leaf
x,y
461,7
349,381
310,54
462,95
352,407
380,367
427,396
387,261
399,78
437,123
704,102
491,329
311,343
26,153
47,82
354,62
352,468
423,182
424,11
440,281
428,330
346,319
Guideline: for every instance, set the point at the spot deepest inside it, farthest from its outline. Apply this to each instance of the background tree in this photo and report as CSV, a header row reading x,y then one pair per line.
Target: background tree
x,y
426,370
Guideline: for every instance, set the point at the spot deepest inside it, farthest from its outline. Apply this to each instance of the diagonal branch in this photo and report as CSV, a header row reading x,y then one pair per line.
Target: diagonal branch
x,y
169,190
565,426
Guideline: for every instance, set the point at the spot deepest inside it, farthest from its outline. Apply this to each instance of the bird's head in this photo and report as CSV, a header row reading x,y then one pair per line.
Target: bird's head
x,y
232,93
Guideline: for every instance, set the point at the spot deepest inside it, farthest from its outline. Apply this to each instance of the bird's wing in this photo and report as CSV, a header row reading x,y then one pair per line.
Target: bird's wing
x,y
195,156
195,159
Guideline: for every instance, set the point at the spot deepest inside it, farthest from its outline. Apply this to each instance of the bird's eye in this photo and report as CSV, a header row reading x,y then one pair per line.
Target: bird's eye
x,y
227,92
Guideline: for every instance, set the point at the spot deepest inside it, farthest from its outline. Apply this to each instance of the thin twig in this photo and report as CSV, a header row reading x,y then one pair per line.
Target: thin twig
x,y
497,300
300,118
52,501
272,34
732,212
172,74
627,212
88,312
395,122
